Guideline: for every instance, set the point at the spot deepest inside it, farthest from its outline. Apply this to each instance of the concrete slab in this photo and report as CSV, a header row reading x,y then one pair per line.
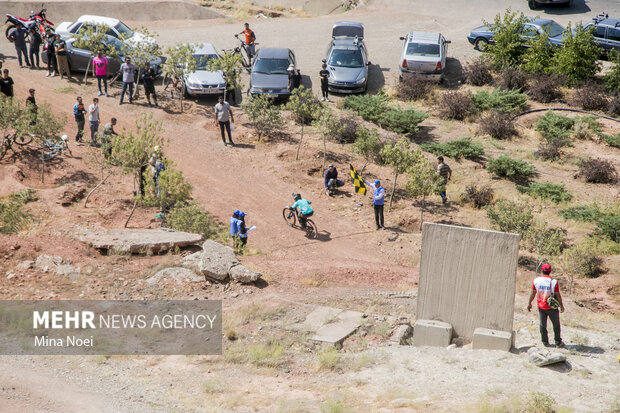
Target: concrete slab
x,y
432,333
139,240
317,318
487,339
335,333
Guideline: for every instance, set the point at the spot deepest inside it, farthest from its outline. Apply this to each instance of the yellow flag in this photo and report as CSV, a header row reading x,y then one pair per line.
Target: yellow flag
x,y
358,182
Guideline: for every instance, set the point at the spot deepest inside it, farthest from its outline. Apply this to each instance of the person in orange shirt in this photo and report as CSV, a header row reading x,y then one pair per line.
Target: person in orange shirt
x,y
250,38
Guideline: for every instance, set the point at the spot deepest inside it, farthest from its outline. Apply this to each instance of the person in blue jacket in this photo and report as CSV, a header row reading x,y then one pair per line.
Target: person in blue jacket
x,y
305,210
234,226
243,231
378,197
331,180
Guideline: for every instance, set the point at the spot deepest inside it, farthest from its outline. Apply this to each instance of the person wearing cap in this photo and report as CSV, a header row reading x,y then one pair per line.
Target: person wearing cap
x,y
242,230
331,180
234,224
62,64
324,75
31,104
378,198
543,288
294,78
78,113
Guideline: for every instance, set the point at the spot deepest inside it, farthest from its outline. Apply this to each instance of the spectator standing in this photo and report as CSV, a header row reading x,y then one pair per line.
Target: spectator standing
x,y
31,103
18,34
331,180
294,78
100,71
445,172
6,83
60,47
234,225
51,54
35,45
250,39
79,112
324,75
378,198
242,230
543,288
223,117
128,70
148,79
93,120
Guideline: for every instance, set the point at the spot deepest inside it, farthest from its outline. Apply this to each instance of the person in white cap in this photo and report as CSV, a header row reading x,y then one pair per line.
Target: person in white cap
x,y
294,78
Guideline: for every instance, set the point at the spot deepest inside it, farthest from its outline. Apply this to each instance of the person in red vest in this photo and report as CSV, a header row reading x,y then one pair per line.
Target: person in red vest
x,y
547,293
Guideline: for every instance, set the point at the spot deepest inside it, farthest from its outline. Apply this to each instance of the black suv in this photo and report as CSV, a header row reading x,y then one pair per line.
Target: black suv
x,y
606,32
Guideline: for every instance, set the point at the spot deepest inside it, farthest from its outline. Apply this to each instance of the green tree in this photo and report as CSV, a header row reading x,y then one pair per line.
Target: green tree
x,y
264,115
94,38
305,108
180,63
539,55
14,119
507,49
423,180
231,66
399,158
547,242
141,52
577,59
509,216
367,145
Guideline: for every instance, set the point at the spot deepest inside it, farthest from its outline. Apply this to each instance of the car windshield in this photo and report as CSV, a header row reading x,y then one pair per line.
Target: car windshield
x,y
202,60
423,49
553,29
346,58
122,29
271,66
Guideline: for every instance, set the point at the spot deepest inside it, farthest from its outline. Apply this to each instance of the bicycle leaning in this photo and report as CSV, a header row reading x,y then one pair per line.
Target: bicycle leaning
x,y
291,217
8,141
246,58
51,149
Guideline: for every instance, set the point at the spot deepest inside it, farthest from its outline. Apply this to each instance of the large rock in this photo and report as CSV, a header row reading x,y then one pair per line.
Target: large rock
x,y
542,358
217,260
243,275
139,240
46,263
179,275
192,262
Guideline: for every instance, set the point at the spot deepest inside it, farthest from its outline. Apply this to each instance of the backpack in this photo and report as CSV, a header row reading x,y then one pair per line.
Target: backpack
x,y
552,302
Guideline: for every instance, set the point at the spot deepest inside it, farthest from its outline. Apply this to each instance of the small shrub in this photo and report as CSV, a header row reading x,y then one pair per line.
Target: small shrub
x,y
509,216
540,403
24,196
550,151
479,197
12,217
512,78
328,359
590,96
478,73
553,192
367,144
582,260
555,128
266,354
612,140
582,213
455,105
498,125
539,54
402,120
369,107
545,88
192,218
264,115
502,100
414,87
609,227
613,107
598,171
459,148
506,167
341,129
586,127
376,109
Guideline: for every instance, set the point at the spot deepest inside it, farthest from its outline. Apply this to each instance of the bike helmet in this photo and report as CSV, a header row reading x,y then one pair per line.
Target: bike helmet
x,y
296,197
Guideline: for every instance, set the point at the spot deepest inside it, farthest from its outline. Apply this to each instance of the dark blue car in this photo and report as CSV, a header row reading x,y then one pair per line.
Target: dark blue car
x,y
482,36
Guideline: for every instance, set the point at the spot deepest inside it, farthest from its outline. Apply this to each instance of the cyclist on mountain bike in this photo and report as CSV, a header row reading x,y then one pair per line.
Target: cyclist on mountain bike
x,y
305,210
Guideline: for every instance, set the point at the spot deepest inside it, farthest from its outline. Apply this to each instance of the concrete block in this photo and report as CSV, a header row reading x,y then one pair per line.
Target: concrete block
x,y
488,339
335,333
432,333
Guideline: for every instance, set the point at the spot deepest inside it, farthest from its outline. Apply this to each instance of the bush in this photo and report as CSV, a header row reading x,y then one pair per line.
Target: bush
x,y
609,227
612,78
498,125
376,109
506,167
586,127
171,189
413,87
264,115
613,107
550,151
598,171
582,260
590,96
341,129
369,107
582,213
459,148
577,59
540,403
24,196
478,73
555,128
508,216
538,56
553,192
455,105
512,78
479,197
191,218
507,48
545,88
612,140
402,121
12,217
367,144
501,100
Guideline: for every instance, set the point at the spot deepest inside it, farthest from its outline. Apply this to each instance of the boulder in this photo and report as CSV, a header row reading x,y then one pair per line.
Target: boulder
x,y
45,263
179,275
402,334
243,275
25,265
139,240
542,358
192,262
68,271
217,260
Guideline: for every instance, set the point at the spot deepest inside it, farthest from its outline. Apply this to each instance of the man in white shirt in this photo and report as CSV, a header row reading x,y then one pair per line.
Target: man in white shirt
x,y
223,117
128,70
93,119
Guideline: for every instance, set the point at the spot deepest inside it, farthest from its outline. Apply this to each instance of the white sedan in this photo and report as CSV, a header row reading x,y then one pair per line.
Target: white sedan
x,y
116,28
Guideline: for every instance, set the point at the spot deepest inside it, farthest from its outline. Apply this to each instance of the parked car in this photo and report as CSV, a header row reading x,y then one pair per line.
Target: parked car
x,y
79,58
606,32
203,82
533,4
116,28
269,73
424,54
482,36
347,59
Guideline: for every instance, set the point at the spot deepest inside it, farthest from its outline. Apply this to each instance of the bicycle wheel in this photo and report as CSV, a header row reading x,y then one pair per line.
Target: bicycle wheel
x,y
23,139
311,229
289,216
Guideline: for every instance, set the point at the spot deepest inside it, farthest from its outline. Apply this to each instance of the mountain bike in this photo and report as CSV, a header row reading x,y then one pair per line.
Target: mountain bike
x,y
246,59
291,217
55,148
176,84
8,141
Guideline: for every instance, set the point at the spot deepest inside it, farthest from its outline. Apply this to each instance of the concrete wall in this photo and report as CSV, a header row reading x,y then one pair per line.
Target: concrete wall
x,y
60,11
467,278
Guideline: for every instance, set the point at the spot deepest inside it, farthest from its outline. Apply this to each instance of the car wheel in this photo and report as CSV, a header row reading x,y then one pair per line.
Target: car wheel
x,y
532,3
481,44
